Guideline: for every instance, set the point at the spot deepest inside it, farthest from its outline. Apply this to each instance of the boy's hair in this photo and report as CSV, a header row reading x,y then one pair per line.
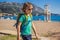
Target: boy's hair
x,y
25,5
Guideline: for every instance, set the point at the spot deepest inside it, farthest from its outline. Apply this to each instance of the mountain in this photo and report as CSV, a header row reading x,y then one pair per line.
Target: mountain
x,y
7,7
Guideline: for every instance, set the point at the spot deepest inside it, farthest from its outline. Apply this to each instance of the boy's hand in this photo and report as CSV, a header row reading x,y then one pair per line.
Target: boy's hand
x,y
18,38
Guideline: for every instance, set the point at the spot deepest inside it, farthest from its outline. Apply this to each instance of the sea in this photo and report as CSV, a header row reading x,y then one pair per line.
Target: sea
x,y
36,18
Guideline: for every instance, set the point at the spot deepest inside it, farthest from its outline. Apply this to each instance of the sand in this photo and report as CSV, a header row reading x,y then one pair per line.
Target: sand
x,y
42,28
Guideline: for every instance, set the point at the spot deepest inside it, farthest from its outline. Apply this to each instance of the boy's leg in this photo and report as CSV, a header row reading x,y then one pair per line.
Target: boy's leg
x,y
26,37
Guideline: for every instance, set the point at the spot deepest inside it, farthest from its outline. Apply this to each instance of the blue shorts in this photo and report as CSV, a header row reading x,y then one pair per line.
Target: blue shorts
x,y
26,37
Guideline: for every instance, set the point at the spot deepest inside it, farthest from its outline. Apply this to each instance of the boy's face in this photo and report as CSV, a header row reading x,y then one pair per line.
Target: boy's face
x,y
28,10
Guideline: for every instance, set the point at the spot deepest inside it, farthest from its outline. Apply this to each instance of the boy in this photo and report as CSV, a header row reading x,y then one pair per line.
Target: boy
x,y
25,24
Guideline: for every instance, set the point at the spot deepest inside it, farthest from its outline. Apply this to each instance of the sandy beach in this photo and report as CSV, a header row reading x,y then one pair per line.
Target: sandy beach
x,y
43,28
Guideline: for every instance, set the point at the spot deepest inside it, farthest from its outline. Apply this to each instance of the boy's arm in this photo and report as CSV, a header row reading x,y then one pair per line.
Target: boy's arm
x,y
35,31
18,30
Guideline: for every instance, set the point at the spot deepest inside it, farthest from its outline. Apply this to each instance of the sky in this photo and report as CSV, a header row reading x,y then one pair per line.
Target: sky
x,y
54,5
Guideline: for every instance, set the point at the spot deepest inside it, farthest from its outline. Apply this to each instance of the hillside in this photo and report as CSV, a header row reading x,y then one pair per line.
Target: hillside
x,y
6,7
